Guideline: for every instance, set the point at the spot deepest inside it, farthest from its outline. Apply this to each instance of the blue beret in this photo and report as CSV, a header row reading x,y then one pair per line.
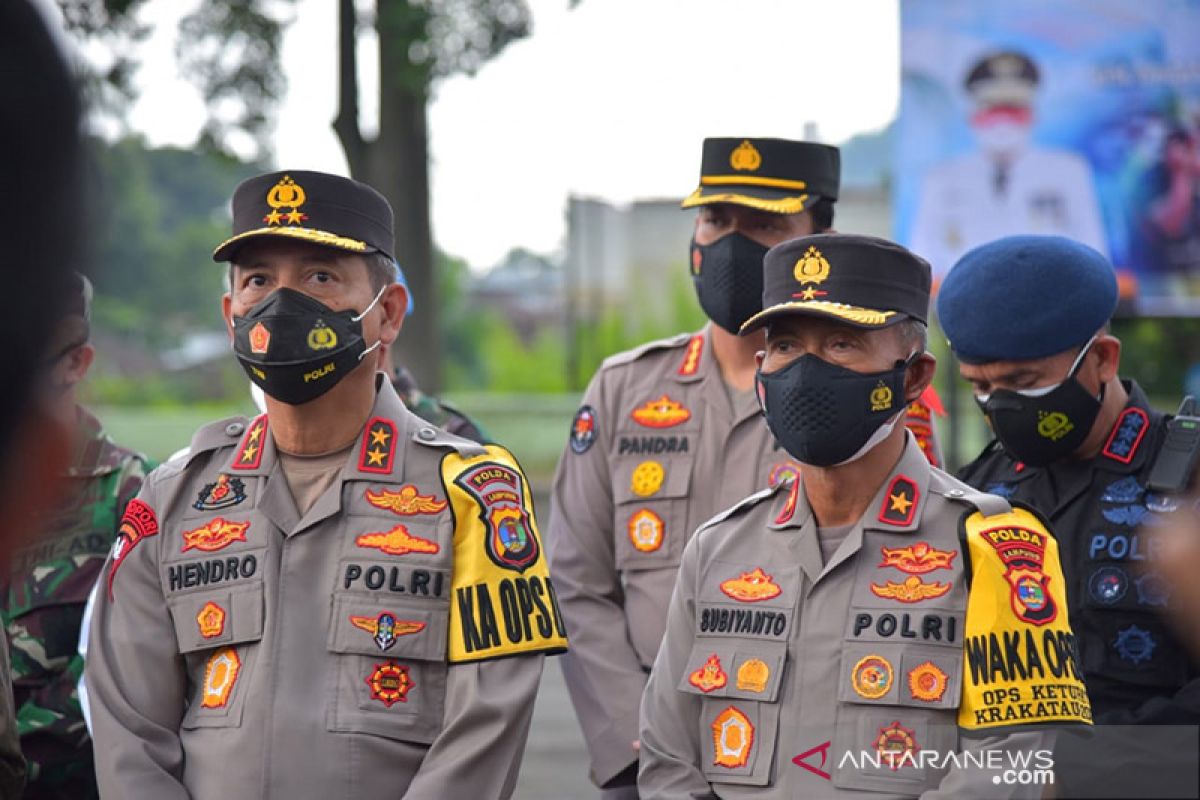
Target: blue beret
x,y
1025,297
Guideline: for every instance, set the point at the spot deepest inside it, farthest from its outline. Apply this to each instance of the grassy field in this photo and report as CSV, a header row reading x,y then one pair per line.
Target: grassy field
x,y
534,427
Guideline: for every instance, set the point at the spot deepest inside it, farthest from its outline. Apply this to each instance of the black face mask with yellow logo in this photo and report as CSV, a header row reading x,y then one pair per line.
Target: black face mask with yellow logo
x,y
1040,426
728,275
296,348
824,414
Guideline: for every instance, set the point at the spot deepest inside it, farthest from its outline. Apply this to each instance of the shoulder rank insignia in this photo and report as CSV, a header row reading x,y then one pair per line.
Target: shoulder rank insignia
x,y
900,502
690,364
220,676
927,682
390,683
733,736
397,542
211,620
406,501
913,590
896,744
583,430
249,454
1126,435
217,534
917,559
385,628
224,493
709,675
751,587
138,523
499,491
378,446
661,413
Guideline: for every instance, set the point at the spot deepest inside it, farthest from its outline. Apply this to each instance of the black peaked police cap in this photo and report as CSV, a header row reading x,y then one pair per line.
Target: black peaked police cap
x,y
776,175
316,207
860,280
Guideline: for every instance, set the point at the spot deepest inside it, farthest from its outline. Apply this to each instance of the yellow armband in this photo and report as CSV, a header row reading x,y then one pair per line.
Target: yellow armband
x,y
1021,663
502,601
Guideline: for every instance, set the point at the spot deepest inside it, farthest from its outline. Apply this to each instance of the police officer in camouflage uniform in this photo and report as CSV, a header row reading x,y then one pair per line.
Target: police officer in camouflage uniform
x,y
1078,443
670,433
840,637
334,599
50,577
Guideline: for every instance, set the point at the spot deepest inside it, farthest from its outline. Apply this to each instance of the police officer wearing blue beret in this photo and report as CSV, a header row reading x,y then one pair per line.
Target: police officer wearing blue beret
x,y
1027,317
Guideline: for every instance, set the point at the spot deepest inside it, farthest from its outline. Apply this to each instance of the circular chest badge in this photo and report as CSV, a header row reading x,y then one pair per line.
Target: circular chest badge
x,y
1108,585
647,478
872,677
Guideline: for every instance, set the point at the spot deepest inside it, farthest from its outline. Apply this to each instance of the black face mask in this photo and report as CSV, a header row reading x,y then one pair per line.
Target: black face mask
x,y
1046,425
296,348
728,275
826,415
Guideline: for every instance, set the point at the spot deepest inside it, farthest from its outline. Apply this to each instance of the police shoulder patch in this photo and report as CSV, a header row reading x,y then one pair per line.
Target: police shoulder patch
x,y
139,522
503,600
1022,661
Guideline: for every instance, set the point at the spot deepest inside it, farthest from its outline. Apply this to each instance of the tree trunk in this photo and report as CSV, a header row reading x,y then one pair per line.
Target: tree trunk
x,y
396,163
399,168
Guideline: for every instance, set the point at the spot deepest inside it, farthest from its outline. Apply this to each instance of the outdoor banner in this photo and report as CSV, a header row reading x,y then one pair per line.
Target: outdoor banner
x,y
1073,117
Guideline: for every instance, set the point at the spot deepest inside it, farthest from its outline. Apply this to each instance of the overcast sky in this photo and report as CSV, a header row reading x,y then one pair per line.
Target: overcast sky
x,y
609,100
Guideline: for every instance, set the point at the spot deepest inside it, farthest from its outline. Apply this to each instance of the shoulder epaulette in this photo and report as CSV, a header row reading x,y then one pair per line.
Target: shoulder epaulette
x,y
953,489
629,356
213,436
744,505
430,436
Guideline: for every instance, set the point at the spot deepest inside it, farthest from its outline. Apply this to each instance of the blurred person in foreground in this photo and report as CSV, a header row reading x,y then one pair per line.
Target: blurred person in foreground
x,y
42,225
334,598
1027,317
670,433
50,576
841,636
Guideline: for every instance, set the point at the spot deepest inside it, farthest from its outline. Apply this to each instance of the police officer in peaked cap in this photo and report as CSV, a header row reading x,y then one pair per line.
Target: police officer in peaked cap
x,y
1027,317
829,636
334,598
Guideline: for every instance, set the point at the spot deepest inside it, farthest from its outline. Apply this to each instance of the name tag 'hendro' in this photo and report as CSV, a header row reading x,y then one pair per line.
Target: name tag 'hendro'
x,y
211,571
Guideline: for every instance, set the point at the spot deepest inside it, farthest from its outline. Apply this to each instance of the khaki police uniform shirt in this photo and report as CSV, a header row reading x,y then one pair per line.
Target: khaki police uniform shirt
x,y
777,664
656,449
242,650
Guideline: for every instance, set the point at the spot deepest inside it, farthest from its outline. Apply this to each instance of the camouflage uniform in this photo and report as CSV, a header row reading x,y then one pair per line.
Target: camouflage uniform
x,y
44,596
434,411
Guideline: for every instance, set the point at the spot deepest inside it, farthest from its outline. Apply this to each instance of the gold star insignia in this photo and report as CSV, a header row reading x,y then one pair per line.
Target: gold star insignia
x,y
273,218
375,457
379,436
900,502
255,432
248,453
294,216
809,294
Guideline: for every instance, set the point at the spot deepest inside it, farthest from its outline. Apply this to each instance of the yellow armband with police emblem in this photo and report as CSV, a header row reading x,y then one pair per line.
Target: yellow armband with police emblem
x,y
502,601
1021,662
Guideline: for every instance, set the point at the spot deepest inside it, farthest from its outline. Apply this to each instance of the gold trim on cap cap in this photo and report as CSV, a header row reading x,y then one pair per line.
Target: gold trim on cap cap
x,y
857,314
786,205
751,180
307,234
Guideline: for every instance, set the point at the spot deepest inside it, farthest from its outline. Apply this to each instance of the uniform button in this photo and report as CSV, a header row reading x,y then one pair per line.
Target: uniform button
x,y
955,493
427,434
234,429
